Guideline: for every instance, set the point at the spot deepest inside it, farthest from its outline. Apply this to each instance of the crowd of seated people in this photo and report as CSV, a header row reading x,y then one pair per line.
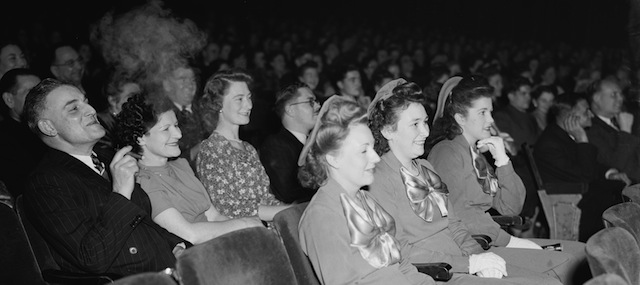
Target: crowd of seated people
x,y
210,158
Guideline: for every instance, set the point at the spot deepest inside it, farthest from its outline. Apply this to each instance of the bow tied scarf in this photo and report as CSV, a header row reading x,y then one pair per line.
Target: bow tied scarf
x,y
425,192
485,173
372,229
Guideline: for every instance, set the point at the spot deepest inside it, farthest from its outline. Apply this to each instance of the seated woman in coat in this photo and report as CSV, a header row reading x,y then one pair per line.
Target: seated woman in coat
x,y
347,235
462,133
179,202
411,191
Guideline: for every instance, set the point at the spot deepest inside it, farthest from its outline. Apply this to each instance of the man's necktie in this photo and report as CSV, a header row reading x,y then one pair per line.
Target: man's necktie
x,y
614,122
99,166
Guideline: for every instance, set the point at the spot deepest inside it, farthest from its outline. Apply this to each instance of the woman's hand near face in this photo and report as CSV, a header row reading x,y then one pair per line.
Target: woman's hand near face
x,y
495,145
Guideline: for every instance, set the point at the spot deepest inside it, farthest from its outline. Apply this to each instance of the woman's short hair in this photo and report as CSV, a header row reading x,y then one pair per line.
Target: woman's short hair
x,y
333,129
386,112
214,90
139,114
461,99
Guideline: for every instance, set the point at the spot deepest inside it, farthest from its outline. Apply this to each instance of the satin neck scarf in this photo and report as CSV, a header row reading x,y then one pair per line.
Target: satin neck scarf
x,y
484,172
426,192
371,229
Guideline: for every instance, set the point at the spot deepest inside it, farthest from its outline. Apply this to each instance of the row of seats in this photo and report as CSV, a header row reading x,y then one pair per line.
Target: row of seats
x,y
247,256
613,253
561,210
263,256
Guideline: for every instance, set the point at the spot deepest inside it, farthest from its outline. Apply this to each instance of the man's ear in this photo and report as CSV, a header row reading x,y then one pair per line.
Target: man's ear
x,y
510,96
54,71
8,99
340,85
288,110
165,85
47,128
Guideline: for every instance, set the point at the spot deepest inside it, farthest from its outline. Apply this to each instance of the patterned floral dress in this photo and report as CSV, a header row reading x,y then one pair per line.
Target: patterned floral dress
x,y
234,178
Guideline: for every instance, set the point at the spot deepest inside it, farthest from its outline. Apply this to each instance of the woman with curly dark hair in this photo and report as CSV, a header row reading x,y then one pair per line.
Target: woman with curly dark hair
x,y
179,202
230,168
344,231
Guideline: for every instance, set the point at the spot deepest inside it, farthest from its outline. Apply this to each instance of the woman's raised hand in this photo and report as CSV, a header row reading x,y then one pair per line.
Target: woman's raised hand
x,y
495,145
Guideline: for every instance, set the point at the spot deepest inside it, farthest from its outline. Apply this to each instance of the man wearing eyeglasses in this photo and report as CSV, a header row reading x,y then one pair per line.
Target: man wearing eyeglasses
x,y
69,67
297,108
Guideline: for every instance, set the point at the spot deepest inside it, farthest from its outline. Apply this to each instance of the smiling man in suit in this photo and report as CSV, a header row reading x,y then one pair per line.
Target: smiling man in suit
x,y
297,107
92,214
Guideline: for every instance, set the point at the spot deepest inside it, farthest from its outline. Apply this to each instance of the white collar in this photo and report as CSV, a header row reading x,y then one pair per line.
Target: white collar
x,y
300,136
608,121
86,159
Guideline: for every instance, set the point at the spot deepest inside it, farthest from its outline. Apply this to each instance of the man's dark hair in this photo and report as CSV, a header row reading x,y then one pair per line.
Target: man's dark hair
x,y
35,101
285,96
9,84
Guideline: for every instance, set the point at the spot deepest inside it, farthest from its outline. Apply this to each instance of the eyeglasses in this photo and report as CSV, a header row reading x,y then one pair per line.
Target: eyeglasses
x,y
71,63
312,103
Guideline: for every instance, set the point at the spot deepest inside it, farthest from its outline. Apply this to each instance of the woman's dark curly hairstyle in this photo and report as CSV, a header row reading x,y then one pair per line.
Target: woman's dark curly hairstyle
x,y
139,114
333,129
214,91
386,112
461,99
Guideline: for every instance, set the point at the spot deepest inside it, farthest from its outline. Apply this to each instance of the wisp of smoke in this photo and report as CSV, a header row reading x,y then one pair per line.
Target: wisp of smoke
x,y
147,43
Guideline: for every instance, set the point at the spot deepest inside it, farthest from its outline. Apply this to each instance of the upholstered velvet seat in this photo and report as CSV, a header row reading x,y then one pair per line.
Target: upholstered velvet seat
x,y
631,193
252,256
614,250
48,268
625,215
18,265
286,222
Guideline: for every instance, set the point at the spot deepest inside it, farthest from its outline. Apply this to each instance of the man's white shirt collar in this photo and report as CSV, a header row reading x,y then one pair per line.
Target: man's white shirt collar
x,y
300,136
86,159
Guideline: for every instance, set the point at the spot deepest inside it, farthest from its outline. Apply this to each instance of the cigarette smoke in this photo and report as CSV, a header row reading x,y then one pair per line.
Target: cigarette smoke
x,y
147,44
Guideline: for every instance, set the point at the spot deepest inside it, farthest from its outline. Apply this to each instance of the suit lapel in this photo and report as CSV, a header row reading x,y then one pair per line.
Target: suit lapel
x,y
292,140
90,177
601,124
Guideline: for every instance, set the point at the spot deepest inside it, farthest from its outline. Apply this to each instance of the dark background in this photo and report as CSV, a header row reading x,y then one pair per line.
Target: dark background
x,y
585,22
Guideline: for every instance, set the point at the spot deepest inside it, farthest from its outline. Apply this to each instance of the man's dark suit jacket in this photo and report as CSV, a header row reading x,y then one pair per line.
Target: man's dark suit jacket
x,y
88,227
279,155
616,149
193,131
562,160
